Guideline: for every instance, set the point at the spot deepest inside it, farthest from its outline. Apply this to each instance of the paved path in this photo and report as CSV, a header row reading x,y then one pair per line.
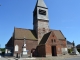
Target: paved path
x,y
3,59
65,57
78,58
44,59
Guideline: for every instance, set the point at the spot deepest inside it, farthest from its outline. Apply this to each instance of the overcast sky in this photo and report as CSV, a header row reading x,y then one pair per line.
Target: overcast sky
x,y
64,15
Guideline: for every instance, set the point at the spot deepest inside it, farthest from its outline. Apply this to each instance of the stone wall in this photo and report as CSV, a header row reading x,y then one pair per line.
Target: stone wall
x,y
42,29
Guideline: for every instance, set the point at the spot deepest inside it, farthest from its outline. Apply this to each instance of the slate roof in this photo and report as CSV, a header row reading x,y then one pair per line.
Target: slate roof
x,y
45,37
41,3
21,33
9,42
68,42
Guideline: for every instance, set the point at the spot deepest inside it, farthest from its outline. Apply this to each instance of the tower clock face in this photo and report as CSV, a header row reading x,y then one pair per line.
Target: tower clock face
x,y
42,12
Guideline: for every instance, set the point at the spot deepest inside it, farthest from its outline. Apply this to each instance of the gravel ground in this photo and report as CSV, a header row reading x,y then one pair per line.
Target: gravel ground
x,y
65,57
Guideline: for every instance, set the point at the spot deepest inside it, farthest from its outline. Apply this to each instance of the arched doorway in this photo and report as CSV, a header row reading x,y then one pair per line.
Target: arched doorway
x,y
33,52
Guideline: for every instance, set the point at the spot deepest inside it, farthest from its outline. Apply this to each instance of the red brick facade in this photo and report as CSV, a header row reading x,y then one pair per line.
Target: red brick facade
x,y
42,50
30,44
46,49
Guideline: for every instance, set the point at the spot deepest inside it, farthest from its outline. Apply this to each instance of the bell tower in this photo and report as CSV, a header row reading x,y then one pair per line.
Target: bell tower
x,y
40,19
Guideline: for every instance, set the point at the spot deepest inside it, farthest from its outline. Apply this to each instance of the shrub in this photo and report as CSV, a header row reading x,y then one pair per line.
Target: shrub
x,y
69,50
2,49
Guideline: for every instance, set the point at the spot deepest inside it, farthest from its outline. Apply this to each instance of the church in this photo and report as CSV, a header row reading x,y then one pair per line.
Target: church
x,y
41,41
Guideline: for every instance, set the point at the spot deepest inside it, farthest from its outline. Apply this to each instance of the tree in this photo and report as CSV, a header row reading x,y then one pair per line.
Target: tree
x,y
2,49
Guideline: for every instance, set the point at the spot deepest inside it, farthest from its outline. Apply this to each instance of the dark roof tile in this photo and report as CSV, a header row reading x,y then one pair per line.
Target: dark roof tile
x,y
44,39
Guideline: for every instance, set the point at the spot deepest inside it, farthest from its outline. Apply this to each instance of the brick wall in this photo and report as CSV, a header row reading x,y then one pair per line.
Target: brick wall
x,y
48,50
63,43
56,43
30,44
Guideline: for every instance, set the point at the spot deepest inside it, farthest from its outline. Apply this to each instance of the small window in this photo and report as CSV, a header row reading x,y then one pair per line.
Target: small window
x,y
52,40
43,29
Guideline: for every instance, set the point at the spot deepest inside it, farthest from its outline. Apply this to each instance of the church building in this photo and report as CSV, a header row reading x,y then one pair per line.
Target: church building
x,y
41,40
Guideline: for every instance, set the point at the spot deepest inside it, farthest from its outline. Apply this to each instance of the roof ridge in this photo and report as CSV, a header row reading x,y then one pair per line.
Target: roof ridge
x,y
62,34
22,28
54,30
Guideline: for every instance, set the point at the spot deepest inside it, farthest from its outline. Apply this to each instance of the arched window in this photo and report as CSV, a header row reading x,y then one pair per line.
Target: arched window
x,y
16,47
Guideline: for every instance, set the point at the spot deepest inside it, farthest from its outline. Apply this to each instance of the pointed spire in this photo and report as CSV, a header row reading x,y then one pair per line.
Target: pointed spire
x,y
41,3
73,44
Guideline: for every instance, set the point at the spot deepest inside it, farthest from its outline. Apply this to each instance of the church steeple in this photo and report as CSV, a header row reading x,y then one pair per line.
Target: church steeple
x,y
40,19
41,3
41,10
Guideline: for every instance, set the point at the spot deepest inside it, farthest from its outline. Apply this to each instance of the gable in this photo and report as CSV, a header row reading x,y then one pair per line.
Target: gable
x,y
58,34
21,33
52,39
